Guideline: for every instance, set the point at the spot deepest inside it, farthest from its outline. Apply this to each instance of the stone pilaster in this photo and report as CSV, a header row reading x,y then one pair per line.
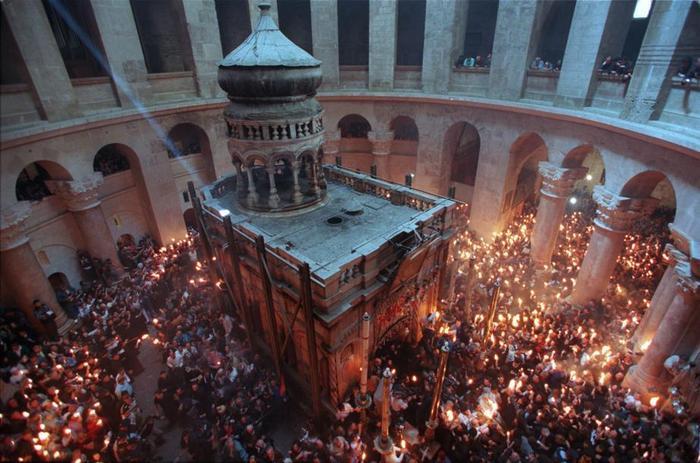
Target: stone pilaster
x,y
516,29
21,271
614,217
557,185
324,34
81,198
122,47
649,374
382,43
205,44
331,146
37,45
381,149
668,38
597,29
443,42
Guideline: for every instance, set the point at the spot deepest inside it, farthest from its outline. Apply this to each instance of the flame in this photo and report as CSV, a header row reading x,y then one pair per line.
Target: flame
x,y
653,401
645,345
450,415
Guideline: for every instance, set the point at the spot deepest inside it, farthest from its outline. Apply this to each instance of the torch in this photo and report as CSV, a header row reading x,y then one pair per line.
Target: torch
x,y
383,443
363,399
437,393
492,309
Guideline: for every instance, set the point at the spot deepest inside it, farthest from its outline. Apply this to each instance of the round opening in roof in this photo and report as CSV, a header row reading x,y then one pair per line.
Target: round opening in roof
x,y
335,220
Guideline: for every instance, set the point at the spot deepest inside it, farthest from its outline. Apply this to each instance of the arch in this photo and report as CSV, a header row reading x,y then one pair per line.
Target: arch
x,y
354,126
651,184
110,160
525,155
404,128
186,139
462,144
59,281
589,157
30,183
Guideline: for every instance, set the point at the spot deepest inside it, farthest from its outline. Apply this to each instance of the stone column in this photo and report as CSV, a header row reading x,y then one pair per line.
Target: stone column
x,y
597,29
649,374
37,45
557,185
331,146
297,196
252,194
274,199
663,296
21,272
516,33
324,35
667,39
381,150
80,197
443,40
614,218
382,43
122,47
254,12
239,180
205,44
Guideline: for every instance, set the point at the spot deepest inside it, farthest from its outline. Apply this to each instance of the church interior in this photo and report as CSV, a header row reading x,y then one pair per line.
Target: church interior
x,y
350,231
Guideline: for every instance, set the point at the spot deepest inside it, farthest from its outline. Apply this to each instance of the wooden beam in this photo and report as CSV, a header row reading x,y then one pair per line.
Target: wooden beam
x,y
241,301
266,278
307,303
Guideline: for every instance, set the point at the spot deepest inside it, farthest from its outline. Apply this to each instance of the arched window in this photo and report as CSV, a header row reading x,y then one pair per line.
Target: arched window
x,y
187,139
354,126
463,143
109,160
404,128
30,184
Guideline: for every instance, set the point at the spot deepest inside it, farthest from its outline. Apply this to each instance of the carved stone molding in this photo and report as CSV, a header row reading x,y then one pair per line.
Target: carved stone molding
x,y
12,233
617,213
687,284
558,181
79,195
381,141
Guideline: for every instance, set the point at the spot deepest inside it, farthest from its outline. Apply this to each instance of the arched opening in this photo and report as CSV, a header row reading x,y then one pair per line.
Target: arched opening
x,y
308,174
479,33
190,158
130,212
404,148
585,156
59,281
462,145
109,160
522,183
655,185
355,147
31,182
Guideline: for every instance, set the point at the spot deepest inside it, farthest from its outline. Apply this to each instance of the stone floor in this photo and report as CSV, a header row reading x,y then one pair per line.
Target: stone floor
x,y
284,429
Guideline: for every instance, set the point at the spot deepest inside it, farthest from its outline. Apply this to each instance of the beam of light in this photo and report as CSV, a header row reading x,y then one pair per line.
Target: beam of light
x,y
642,9
118,80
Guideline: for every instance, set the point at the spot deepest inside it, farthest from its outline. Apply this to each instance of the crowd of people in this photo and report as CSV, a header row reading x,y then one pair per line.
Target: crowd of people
x,y
539,64
476,61
545,385
540,381
620,67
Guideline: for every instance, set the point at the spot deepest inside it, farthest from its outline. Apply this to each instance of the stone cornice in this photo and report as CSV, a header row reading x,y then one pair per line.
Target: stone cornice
x,y
12,222
79,195
559,182
617,213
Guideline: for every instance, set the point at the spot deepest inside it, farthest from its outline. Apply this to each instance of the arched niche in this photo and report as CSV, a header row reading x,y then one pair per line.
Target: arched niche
x,y
462,144
110,160
589,157
30,184
404,148
525,155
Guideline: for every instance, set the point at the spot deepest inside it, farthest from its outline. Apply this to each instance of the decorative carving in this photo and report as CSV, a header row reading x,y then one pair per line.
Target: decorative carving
x,y
617,213
558,181
12,233
79,195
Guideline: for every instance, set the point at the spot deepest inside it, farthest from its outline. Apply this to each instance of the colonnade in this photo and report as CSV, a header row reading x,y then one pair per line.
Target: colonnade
x,y
22,272
675,299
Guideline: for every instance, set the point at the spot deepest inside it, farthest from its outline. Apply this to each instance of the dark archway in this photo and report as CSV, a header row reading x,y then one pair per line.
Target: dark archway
x,y
31,181
462,144
354,126
109,160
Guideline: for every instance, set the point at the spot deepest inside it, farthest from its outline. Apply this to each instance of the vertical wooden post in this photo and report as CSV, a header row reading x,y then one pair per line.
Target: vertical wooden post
x,y
266,278
208,251
307,303
437,392
238,287
492,311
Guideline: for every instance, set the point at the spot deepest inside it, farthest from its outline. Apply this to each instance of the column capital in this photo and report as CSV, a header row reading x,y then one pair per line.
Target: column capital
x,y
12,221
559,182
687,284
79,195
617,213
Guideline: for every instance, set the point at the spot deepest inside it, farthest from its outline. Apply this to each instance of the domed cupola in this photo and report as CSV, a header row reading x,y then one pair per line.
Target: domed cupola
x,y
275,124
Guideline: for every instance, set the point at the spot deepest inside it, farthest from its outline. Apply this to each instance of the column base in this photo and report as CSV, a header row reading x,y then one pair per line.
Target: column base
x,y
644,384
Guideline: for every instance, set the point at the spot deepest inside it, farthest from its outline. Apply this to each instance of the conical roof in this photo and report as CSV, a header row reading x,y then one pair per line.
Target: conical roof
x,y
268,46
